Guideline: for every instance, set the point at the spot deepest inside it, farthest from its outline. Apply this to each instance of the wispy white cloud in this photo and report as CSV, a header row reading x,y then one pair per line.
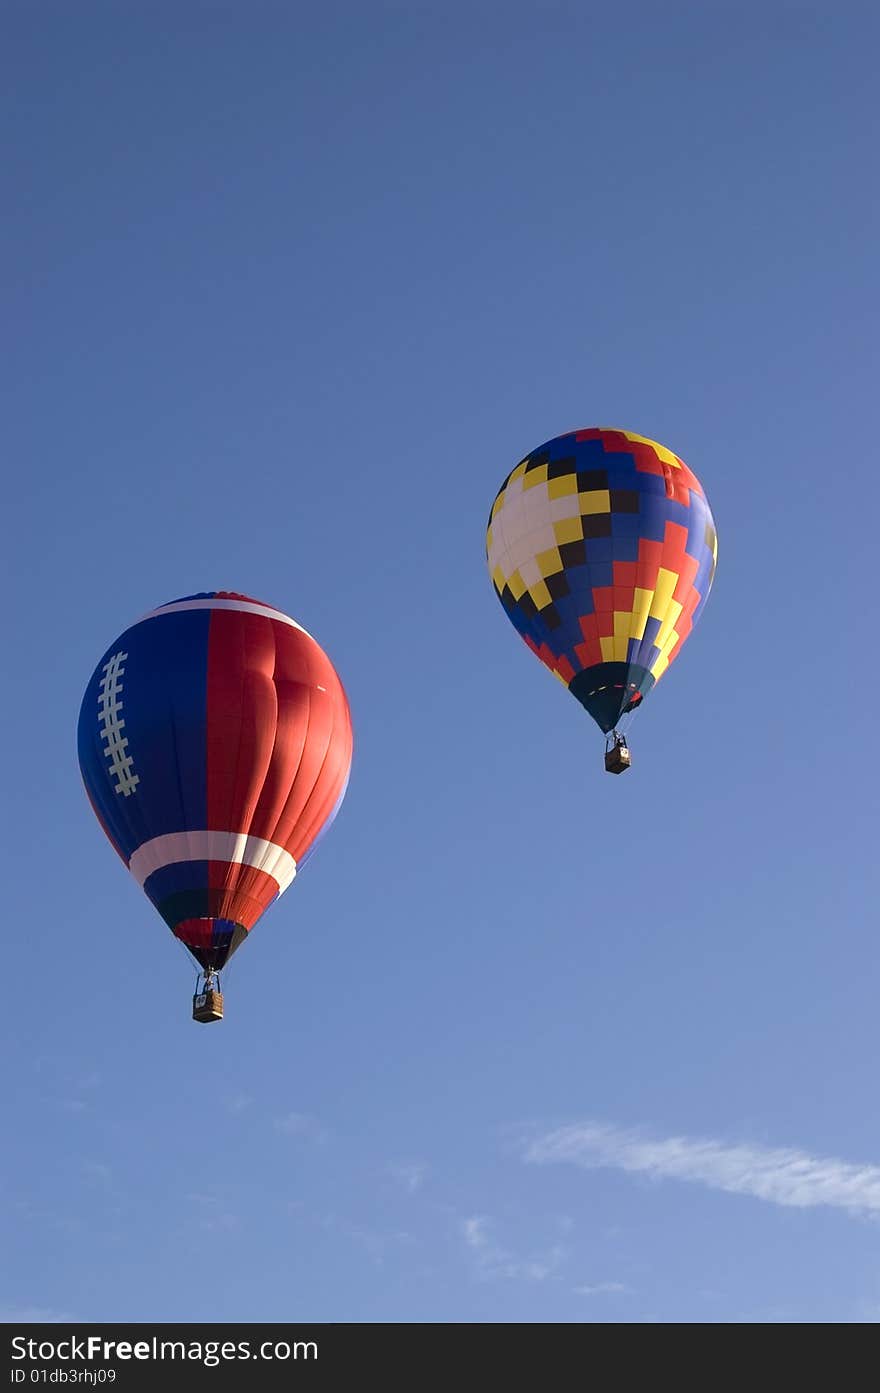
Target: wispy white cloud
x,y
411,1174
302,1125
475,1231
74,1099
375,1242
98,1171
237,1102
32,1315
491,1260
600,1288
212,1212
74,1102
779,1175
220,1221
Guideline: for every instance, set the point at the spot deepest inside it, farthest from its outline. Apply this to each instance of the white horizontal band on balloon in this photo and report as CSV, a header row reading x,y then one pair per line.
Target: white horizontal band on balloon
x,y
247,606
234,847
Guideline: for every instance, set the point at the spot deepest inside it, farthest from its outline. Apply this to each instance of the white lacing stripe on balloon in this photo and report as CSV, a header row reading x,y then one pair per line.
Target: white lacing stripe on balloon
x,y
235,847
112,725
247,606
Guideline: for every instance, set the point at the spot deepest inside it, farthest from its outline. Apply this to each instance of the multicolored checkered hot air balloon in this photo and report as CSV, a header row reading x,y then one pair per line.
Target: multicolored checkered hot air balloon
x,y
602,550
215,746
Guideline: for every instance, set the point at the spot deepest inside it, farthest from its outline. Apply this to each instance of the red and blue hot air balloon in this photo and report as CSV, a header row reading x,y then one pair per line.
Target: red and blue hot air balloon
x,y
215,746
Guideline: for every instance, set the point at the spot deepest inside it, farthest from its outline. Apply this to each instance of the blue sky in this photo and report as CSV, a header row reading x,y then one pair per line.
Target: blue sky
x,y
288,290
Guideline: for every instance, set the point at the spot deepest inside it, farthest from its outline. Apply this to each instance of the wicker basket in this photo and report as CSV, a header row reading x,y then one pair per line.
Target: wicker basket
x,y
617,759
208,1006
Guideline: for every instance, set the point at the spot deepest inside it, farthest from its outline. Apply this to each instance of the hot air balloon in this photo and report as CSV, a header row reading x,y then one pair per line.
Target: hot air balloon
x,y
215,747
602,550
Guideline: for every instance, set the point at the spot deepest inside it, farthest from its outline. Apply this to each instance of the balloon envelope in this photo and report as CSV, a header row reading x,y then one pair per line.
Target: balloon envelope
x,y
602,550
215,746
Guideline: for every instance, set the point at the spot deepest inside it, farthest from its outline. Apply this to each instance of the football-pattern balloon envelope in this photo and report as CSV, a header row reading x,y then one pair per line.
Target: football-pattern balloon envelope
x,y
602,550
215,746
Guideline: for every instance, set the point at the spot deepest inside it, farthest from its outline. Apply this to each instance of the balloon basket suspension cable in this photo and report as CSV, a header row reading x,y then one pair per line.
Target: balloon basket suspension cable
x,y
617,756
208,998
